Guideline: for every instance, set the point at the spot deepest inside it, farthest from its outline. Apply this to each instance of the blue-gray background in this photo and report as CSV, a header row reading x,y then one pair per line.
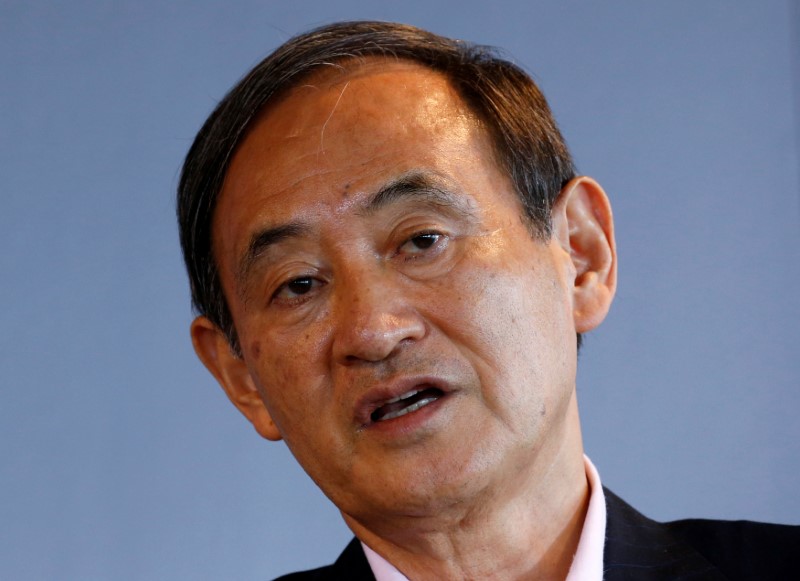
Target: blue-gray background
x,y
121,459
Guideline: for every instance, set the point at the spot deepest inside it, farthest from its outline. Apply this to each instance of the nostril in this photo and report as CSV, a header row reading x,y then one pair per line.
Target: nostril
x,y
376,337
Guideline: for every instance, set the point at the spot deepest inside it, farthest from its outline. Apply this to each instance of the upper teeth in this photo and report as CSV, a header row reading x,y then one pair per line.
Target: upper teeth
x,y
404,396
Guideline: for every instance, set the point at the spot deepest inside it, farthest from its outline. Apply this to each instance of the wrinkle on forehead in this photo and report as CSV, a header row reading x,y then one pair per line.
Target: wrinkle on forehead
x,y
438,92
324,125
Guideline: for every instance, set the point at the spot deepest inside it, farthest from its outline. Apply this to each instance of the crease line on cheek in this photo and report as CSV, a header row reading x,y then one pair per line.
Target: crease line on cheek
x,y
490,241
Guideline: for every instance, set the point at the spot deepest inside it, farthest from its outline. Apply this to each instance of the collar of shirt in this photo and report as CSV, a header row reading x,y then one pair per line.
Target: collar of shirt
x,y
587,564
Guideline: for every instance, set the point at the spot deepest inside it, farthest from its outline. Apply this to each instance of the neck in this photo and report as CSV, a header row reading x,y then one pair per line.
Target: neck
x,y
526,527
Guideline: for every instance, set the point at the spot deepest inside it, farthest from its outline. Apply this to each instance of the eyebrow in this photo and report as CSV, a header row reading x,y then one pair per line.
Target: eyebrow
x,y
414,185
263,240
425,187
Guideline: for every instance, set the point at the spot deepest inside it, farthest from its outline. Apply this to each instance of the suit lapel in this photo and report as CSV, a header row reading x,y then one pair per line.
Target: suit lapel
x,y
639,548
352,565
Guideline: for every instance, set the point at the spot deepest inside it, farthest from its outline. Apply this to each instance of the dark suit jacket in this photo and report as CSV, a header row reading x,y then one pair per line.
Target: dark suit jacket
x,y
638,548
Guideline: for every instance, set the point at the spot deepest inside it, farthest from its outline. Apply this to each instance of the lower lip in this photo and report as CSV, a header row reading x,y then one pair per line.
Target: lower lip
x,y
409,423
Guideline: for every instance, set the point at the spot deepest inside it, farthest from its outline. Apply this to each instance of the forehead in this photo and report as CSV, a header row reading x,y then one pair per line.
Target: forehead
x,y
362,111
339,135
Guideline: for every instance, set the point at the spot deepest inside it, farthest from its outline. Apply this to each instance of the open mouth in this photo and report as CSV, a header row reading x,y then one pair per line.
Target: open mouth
x,y
408,402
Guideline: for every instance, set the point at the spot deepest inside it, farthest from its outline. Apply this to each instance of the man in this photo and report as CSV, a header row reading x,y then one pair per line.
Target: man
x,y
393,260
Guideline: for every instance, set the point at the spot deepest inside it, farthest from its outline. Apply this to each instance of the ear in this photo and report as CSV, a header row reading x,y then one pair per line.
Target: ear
x,y
584,227
213,349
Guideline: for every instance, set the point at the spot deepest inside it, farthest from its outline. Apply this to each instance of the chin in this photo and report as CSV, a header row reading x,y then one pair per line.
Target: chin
x,y
441,488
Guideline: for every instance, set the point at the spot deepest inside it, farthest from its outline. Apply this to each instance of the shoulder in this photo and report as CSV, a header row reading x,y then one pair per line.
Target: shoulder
x,y
742,549
695,548
352,565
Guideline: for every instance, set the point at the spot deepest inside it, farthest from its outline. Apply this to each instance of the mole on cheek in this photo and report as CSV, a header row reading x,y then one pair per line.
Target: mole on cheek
x,y
255,349
345,191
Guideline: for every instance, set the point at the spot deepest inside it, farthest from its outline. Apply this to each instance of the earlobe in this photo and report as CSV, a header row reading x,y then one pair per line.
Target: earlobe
x,y
232,373
584,227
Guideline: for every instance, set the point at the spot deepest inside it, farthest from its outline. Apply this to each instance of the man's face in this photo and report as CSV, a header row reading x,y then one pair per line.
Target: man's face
x,y
411,341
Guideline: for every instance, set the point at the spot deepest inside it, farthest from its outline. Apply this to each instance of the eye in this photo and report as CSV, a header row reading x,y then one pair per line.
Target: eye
x,y
296,289
419,243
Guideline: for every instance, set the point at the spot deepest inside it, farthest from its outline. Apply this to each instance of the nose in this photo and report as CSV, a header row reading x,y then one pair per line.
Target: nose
x,y
375,317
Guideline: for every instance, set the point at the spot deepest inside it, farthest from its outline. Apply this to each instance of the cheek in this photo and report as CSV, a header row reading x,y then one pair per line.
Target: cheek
x,y
489,309
286,371
514,325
